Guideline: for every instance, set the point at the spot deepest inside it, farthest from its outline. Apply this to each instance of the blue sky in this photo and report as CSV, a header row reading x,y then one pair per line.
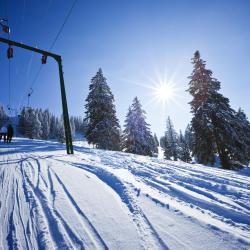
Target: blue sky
x,y
134,42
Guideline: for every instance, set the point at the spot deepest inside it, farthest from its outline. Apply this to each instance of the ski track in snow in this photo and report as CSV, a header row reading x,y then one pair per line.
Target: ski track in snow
x,y
49,200
62,235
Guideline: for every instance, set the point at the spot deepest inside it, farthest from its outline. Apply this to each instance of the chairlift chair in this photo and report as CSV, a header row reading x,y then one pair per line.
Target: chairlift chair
x,y
10,52
6,29
44,59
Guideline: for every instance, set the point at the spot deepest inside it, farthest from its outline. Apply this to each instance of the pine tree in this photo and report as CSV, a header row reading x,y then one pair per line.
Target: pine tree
x,y
52,128
200,87
39,124
103,129
162,141
183,152
60,133
166,147
156,144
32,124
243,130
213,121
80,125
36,125
22,122
189,137
170,141
137,137
45,124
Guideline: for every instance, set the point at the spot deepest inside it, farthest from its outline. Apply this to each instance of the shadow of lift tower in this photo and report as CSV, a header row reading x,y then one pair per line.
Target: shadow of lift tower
x,y
45,54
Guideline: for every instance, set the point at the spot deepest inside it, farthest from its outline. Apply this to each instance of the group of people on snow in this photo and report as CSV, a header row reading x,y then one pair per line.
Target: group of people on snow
x,y
6,133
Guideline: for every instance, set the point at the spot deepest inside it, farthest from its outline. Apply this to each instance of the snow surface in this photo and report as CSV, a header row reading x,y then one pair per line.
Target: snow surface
x,y
99,199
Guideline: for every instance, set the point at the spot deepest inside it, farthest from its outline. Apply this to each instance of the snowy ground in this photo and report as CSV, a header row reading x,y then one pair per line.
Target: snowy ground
x,y
108,200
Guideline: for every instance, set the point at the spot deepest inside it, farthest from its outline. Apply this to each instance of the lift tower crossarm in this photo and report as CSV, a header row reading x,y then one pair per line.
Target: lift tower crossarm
x,y
68,136
27,47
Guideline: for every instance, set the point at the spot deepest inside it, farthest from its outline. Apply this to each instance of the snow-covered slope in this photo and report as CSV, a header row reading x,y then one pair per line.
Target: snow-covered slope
x,y
111,200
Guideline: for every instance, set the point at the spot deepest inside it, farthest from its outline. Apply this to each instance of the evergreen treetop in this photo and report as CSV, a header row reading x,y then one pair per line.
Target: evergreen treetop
x,y
171,141
214,122
137,137
103,129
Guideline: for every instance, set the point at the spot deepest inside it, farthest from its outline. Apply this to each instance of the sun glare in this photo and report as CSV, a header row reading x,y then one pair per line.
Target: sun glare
x,y
164,92
163,89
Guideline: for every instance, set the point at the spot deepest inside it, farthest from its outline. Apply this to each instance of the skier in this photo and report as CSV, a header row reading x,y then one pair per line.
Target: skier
x,y
10,133
3,133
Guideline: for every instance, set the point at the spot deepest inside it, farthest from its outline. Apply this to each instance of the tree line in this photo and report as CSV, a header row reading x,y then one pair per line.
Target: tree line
x,y
41,124
102,126
216,132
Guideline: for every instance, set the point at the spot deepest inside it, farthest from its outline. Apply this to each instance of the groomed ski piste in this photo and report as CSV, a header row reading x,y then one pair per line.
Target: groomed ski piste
x,y
99,199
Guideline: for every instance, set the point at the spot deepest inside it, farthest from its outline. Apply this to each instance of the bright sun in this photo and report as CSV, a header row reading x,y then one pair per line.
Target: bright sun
x,y
162,89
164,92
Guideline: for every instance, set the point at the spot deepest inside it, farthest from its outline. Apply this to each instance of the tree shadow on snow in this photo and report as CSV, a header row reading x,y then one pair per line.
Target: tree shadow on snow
x,y
22,145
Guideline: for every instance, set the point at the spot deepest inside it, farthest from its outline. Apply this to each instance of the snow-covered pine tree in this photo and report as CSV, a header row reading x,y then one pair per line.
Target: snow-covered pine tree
x,y
80,125
103,129
38,124
156,140
170,142
153,145
53,128
162,141
60,133
183,152
22,122
200,87
166,147
189,137
156,144
45,123
213,119
32,124
243,130
137,137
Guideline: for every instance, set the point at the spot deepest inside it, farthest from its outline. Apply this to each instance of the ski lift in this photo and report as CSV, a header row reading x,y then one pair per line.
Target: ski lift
x,y
10,52
30,92
44,59
6,29
29,95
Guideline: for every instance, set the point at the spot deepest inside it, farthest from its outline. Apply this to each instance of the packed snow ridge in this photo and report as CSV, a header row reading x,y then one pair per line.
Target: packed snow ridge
x,y
99,199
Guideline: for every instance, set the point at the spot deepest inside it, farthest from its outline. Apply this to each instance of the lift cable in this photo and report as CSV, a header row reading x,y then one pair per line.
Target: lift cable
x,y
51,47
9,104
6,29
29,94
63,24
10,109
